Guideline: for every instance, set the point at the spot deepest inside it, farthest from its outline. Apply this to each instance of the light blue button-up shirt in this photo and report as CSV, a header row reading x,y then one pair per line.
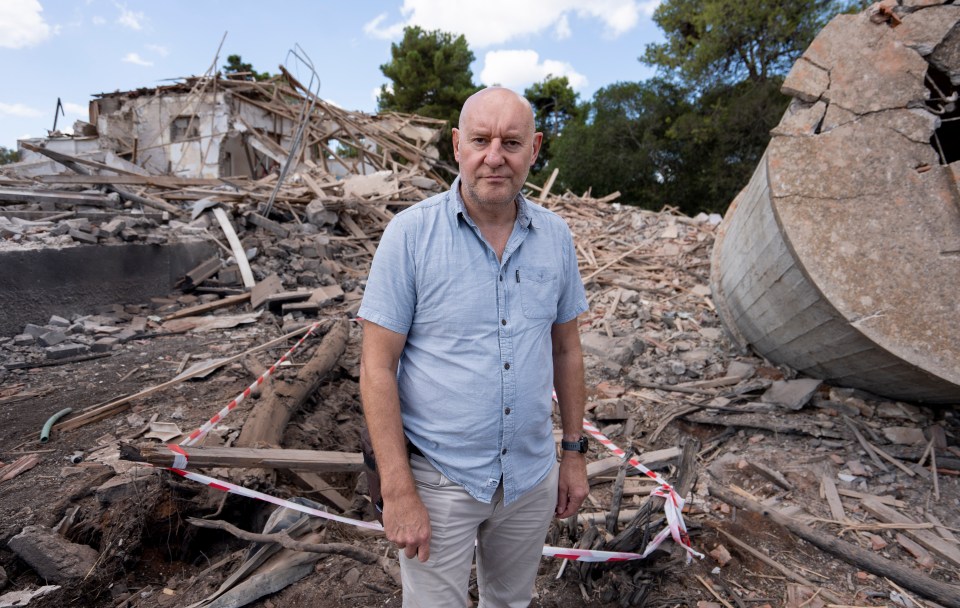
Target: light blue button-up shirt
x,y
476,374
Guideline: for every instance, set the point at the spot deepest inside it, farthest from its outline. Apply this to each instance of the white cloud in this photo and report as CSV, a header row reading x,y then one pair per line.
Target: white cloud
x,y
562,29
649,6
136,59
159,50
76,109
130,19
489,22
373,28
98,20
21,24
19,110
521,68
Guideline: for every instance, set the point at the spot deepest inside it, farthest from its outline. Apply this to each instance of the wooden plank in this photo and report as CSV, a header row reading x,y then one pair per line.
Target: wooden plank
x,y
265,288
652,459
924,537
202,308
238,252
201,273
318,484
347,222
272,226
156,181
265,458
67,198
833,498
882,499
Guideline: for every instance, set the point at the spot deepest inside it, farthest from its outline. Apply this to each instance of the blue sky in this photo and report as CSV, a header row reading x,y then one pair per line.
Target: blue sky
x,y
73,49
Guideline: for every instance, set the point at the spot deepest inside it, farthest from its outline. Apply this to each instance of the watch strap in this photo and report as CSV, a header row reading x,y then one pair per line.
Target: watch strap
x,y
574,446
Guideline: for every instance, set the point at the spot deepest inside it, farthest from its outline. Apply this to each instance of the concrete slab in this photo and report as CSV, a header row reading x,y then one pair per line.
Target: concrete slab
x,y
74,280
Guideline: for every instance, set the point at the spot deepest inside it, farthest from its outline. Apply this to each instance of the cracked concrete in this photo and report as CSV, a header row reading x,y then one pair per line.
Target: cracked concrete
x,y
856,199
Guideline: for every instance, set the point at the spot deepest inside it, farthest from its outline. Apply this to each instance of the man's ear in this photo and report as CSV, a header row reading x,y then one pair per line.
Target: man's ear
x,y
456,144
537,142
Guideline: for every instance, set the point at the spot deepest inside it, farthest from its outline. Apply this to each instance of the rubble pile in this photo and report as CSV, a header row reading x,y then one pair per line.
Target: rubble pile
x,y
800,493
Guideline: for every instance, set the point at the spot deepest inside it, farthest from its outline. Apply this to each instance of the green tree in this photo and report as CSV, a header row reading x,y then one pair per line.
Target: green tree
x,y
620,142
8,155
713,41
236,68
429,75
729,58
554,105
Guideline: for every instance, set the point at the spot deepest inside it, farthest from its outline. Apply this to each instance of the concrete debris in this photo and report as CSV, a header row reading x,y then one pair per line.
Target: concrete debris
x,y
23,597
665,381
838,259
53,557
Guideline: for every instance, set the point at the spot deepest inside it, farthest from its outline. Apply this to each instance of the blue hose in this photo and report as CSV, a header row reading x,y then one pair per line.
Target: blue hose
x,y
45,431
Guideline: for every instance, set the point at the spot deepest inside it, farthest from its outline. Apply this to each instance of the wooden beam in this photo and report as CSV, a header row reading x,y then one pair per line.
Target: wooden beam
x,y
158,181
247,458
69,198
202,308
236,246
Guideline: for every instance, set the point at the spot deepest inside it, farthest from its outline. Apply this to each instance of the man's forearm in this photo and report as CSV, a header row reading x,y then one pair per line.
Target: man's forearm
x,y
571,394
381,409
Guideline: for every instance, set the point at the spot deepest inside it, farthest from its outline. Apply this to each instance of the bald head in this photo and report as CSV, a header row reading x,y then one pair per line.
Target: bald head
x,y
494,96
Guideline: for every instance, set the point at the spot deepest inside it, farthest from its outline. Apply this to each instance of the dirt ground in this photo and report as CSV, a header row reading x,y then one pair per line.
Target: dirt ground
x,y
150,555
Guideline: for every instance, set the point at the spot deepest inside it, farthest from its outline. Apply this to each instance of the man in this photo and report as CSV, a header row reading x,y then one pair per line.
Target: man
x,y
469,320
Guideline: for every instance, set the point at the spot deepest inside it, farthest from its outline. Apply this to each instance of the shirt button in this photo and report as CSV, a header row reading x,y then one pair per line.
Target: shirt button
x,y
501,277
503,452
503,321
507,411
506,366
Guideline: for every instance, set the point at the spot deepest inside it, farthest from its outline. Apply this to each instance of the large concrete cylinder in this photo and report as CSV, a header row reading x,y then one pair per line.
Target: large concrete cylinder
x,y
841,258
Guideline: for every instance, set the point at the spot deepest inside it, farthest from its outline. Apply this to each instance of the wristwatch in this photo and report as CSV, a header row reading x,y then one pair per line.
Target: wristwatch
x,y
575,446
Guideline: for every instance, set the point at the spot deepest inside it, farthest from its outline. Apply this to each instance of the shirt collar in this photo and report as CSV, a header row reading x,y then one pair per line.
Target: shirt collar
x,y
524,218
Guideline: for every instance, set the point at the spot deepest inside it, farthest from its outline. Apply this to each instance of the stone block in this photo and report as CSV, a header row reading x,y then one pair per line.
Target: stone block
x,y
125,335
318,215
113,227
52,337
69,349
58,321
620,350
34,330
23,340
791,394
83,236
52,556
104,344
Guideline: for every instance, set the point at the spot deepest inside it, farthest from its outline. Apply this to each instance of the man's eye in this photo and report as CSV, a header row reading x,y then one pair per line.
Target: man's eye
x,y
512,145
479,141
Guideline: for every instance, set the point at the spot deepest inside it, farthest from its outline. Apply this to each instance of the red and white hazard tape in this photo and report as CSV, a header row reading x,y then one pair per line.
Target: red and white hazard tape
x,y
198,434
180,463
673,502
226,486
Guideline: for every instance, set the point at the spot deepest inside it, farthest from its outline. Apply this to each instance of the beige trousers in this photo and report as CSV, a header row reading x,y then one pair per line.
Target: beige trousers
x,y
508,542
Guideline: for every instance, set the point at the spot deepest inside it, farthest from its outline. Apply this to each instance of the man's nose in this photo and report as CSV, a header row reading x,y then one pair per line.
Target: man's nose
x,y
494,156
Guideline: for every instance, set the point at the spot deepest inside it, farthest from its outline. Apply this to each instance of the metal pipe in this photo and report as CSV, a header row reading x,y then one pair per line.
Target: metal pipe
x,y
45,431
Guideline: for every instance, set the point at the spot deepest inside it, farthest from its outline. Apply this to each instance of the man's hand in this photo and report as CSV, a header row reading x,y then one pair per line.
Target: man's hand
x,y
574,487
407,524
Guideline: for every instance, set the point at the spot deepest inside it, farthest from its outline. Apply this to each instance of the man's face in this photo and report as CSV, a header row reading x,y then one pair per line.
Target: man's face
x,y
495,146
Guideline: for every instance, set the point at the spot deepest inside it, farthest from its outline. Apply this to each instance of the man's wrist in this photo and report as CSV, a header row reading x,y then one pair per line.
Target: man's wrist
x,y
574,444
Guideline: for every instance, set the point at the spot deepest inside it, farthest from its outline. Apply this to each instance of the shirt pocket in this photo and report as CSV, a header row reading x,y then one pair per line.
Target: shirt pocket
x,y
539,289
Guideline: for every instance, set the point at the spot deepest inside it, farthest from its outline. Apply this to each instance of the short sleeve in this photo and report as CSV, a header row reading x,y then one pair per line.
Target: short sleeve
x,y
389,299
